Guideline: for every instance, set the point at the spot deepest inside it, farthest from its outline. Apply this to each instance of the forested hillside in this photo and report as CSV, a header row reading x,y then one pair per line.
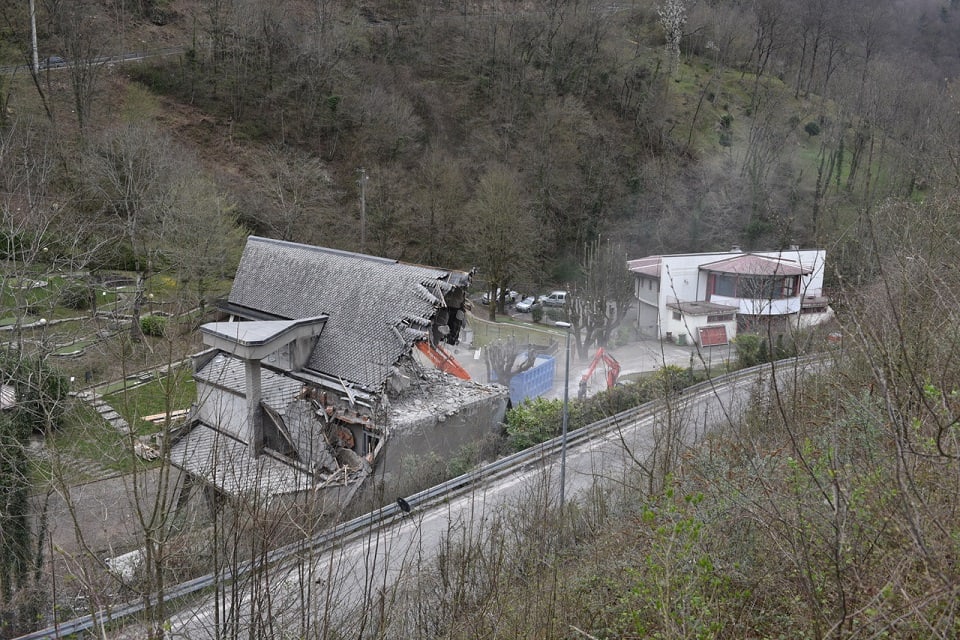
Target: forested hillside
x,y
516,137
673,126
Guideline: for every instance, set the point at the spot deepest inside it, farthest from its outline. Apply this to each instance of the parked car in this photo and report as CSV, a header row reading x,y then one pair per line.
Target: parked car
x,y
527,304
554,299
511,296
53,62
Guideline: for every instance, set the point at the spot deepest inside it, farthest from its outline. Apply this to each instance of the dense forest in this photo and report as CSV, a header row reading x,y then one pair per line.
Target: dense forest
x,y
388,127
515,137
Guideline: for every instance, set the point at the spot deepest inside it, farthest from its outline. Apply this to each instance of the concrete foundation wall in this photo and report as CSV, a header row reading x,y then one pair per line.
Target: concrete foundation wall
x,y
434,439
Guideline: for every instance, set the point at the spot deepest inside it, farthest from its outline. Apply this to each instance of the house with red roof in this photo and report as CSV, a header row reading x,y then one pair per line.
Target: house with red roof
x,y
707,298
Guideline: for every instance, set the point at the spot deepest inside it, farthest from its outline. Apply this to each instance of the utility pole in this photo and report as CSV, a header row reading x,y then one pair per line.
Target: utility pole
x,y
363,209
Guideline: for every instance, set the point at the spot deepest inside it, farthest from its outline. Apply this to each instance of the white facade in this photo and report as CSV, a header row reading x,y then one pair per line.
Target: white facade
x,y
677,298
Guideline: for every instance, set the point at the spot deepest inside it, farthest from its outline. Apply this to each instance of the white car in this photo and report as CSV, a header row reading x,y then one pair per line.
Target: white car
x,y
511,296
527,304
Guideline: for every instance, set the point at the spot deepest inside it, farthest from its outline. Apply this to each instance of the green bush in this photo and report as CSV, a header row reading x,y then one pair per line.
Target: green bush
x,y
538,420
536,313
753,349
533,422
812,129
153,326
748,350
41,391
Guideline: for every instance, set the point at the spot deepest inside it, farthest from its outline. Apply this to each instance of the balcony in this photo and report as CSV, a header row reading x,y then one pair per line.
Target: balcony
x,y
761,306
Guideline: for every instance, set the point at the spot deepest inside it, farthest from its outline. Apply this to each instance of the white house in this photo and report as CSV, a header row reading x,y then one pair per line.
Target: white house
x,y
705,298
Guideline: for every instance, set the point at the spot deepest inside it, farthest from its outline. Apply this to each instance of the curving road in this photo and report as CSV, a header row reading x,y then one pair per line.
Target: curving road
x,y
364,577
347,585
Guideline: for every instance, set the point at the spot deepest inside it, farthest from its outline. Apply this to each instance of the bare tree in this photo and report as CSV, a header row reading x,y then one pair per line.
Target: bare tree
x,y
602,295
438,205
83,48
299,193
152,196
504,241
505,358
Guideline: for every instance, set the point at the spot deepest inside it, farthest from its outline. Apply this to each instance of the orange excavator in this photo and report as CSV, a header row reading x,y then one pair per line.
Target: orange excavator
x,y
442,359
613,371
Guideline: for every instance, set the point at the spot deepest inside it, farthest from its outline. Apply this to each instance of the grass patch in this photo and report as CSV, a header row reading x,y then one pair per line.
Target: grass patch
x,y
173,391
87,436
485,332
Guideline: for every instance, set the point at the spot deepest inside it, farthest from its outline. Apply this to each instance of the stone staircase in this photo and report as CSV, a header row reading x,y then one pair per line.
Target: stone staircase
x,y
71,469
108,413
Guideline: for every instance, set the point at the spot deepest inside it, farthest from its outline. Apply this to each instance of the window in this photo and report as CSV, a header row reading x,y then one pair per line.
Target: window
x,y
789,287
726,285
370,442
719,317
677,315
765,288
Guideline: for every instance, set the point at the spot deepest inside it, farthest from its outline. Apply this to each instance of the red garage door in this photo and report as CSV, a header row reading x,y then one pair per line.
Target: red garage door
x,y
713,336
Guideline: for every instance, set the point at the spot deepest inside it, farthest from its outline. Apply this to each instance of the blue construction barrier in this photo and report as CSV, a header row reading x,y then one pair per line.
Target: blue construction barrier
x,y
534,381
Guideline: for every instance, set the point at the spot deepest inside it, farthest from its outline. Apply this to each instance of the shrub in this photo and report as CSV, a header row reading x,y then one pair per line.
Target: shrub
x,y
669,379
748,350
153,326
533,422
812,129
41,391
536,313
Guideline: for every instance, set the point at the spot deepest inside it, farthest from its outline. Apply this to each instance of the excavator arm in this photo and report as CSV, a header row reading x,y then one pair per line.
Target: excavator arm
x,y
443,360
613,371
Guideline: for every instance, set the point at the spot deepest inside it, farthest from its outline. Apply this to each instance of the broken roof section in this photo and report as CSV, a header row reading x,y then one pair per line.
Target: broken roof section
x,y
377,308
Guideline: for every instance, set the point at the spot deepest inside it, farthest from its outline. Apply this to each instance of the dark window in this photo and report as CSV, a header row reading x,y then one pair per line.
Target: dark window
x,y
788,289
677,315
726,285
720,317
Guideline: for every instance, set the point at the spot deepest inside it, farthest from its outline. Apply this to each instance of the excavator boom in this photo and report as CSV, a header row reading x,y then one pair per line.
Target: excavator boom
x,y
613,371
443,360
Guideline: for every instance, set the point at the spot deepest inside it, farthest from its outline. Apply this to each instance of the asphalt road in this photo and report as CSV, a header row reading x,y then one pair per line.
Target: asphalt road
x,y
349,588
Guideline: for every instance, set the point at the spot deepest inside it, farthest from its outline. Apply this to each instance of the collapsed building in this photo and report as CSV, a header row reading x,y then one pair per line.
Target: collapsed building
x,y
316,377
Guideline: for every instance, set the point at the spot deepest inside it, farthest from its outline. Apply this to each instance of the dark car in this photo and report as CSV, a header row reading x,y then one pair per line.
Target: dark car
x,y
53,62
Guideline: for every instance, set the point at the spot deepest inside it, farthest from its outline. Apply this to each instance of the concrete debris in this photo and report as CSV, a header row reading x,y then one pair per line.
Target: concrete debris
x,y
436,394
145,451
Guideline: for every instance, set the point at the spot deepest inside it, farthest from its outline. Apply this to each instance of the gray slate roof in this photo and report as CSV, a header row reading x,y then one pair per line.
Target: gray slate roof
x,y
376,306
276,391
228,464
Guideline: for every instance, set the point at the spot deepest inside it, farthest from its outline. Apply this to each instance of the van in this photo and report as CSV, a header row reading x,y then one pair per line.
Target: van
x,y
554,299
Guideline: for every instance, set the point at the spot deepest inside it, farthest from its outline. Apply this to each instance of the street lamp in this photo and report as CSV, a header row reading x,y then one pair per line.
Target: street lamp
x,y
566,412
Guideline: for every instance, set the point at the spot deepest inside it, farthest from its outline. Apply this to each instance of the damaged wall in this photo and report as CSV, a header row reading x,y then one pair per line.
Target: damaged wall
x,y
437,422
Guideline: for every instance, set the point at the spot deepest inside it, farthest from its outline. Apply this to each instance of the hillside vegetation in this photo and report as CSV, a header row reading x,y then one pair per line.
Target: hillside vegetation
x,y
513,136
765,125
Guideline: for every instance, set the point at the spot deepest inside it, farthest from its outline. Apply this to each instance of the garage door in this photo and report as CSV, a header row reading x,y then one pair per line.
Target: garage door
x,y
713,336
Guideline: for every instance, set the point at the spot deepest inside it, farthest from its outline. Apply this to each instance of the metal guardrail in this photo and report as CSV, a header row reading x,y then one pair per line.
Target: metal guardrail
x,y
362,524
